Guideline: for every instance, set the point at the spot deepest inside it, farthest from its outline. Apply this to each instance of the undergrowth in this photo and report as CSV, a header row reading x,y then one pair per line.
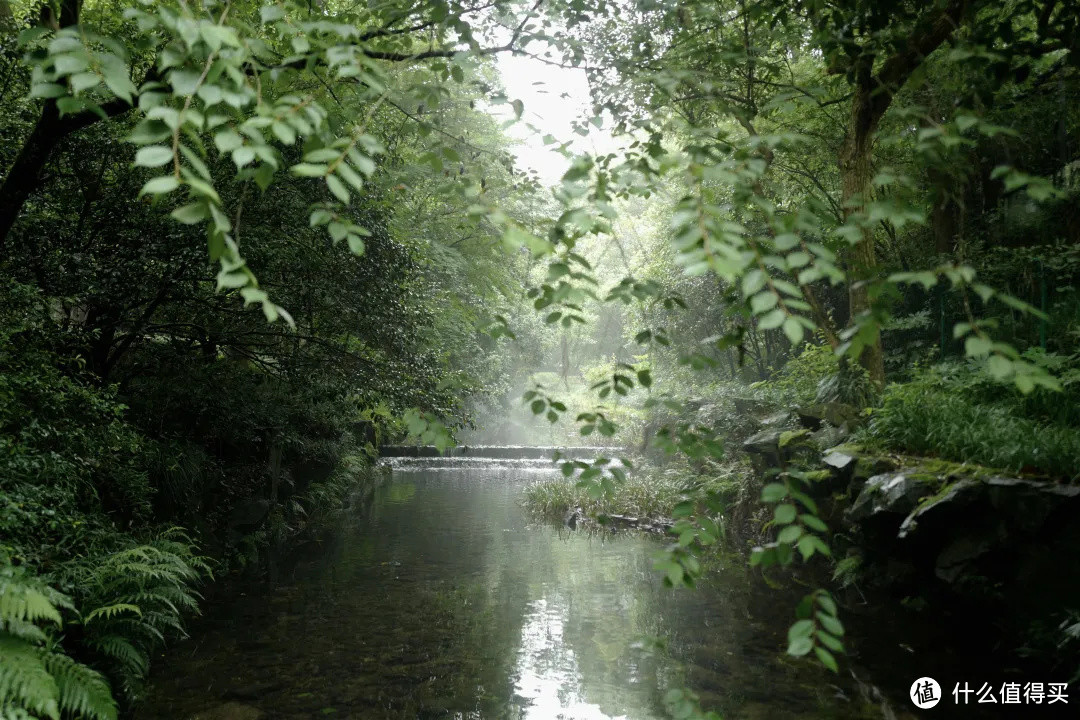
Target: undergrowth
x,y
120,606
957,413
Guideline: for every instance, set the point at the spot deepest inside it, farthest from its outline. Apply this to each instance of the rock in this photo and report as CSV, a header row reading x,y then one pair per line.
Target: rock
x,y
827,436
841,464
1026,503
834,413
249,514
782,419
230,711
868,466
752,406
766,442
894,494
956,559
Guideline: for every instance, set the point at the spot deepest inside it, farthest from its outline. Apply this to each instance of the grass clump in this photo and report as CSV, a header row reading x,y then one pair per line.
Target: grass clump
x,y
645,495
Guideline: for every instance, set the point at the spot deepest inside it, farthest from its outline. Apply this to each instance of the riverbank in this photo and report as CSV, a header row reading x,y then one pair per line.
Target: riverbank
x,y
977,553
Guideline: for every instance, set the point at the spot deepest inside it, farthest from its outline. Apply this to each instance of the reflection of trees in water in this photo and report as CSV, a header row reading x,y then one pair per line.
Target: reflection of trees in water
x,y
440,600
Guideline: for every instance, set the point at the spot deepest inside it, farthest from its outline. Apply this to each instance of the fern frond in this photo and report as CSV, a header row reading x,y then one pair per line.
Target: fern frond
x,y
24,678
22,601
83,691
120,648
24,631
111,611
10,712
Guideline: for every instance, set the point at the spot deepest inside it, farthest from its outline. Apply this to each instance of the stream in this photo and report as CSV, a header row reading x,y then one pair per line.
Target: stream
x,y
442,599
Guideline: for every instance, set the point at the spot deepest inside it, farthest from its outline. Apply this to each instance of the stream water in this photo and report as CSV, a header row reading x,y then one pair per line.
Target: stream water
x,y
441,599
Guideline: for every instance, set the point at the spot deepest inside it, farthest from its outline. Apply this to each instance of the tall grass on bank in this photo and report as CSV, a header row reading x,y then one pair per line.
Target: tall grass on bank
x,y
932,417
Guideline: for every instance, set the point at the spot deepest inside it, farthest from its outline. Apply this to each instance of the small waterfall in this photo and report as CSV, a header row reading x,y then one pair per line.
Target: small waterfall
x,y
499,452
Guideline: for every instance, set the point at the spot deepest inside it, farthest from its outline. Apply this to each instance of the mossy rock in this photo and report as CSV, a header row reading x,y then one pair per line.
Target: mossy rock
x,y
833,413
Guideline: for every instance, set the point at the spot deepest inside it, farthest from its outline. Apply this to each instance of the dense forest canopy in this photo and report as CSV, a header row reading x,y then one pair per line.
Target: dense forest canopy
x,y
245,243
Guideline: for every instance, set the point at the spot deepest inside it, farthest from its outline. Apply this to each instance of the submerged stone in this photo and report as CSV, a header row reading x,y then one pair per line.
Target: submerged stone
x,y
230,711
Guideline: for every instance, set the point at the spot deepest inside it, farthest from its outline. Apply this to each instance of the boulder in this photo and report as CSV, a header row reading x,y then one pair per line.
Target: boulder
x,y
835,413
827,436
841,464
752,406
766,445
891,494
783,419
1024,503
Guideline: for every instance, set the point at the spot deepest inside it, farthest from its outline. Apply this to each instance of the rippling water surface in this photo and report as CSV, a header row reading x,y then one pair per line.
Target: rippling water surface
x,y
442,600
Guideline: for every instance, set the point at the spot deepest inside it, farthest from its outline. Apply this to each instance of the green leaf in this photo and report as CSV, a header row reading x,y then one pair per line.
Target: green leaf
x,y
284,132
153,156
160,185
800,646
789,534
270,13
337,188
831,624
794,330
826,658
809,544
784,514
772,320
773,492
191,213
976,346
243,155
48,90
84,81
308,170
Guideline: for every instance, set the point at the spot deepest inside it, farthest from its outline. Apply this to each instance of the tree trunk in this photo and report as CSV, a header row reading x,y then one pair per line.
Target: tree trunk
x,y
855,173
25,173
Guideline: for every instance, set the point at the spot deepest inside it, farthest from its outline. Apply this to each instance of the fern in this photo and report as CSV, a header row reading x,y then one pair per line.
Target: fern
x,y
36,679
120,649
110,611
24,680
83,692
134,599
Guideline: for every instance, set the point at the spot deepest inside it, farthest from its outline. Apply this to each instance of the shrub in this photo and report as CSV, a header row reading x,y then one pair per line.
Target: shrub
x,y
817,375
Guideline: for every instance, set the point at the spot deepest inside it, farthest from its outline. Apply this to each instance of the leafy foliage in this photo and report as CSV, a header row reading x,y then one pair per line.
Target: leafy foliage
x,y
134,598
36,677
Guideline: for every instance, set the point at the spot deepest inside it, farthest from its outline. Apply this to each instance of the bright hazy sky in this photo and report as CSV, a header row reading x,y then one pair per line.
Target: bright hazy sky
x,y
554,97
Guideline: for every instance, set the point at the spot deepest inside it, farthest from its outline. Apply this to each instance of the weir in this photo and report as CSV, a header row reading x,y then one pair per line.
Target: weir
x,y
500,452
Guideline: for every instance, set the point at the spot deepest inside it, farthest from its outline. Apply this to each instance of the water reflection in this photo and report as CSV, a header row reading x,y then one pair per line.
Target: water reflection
x,y
442,600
